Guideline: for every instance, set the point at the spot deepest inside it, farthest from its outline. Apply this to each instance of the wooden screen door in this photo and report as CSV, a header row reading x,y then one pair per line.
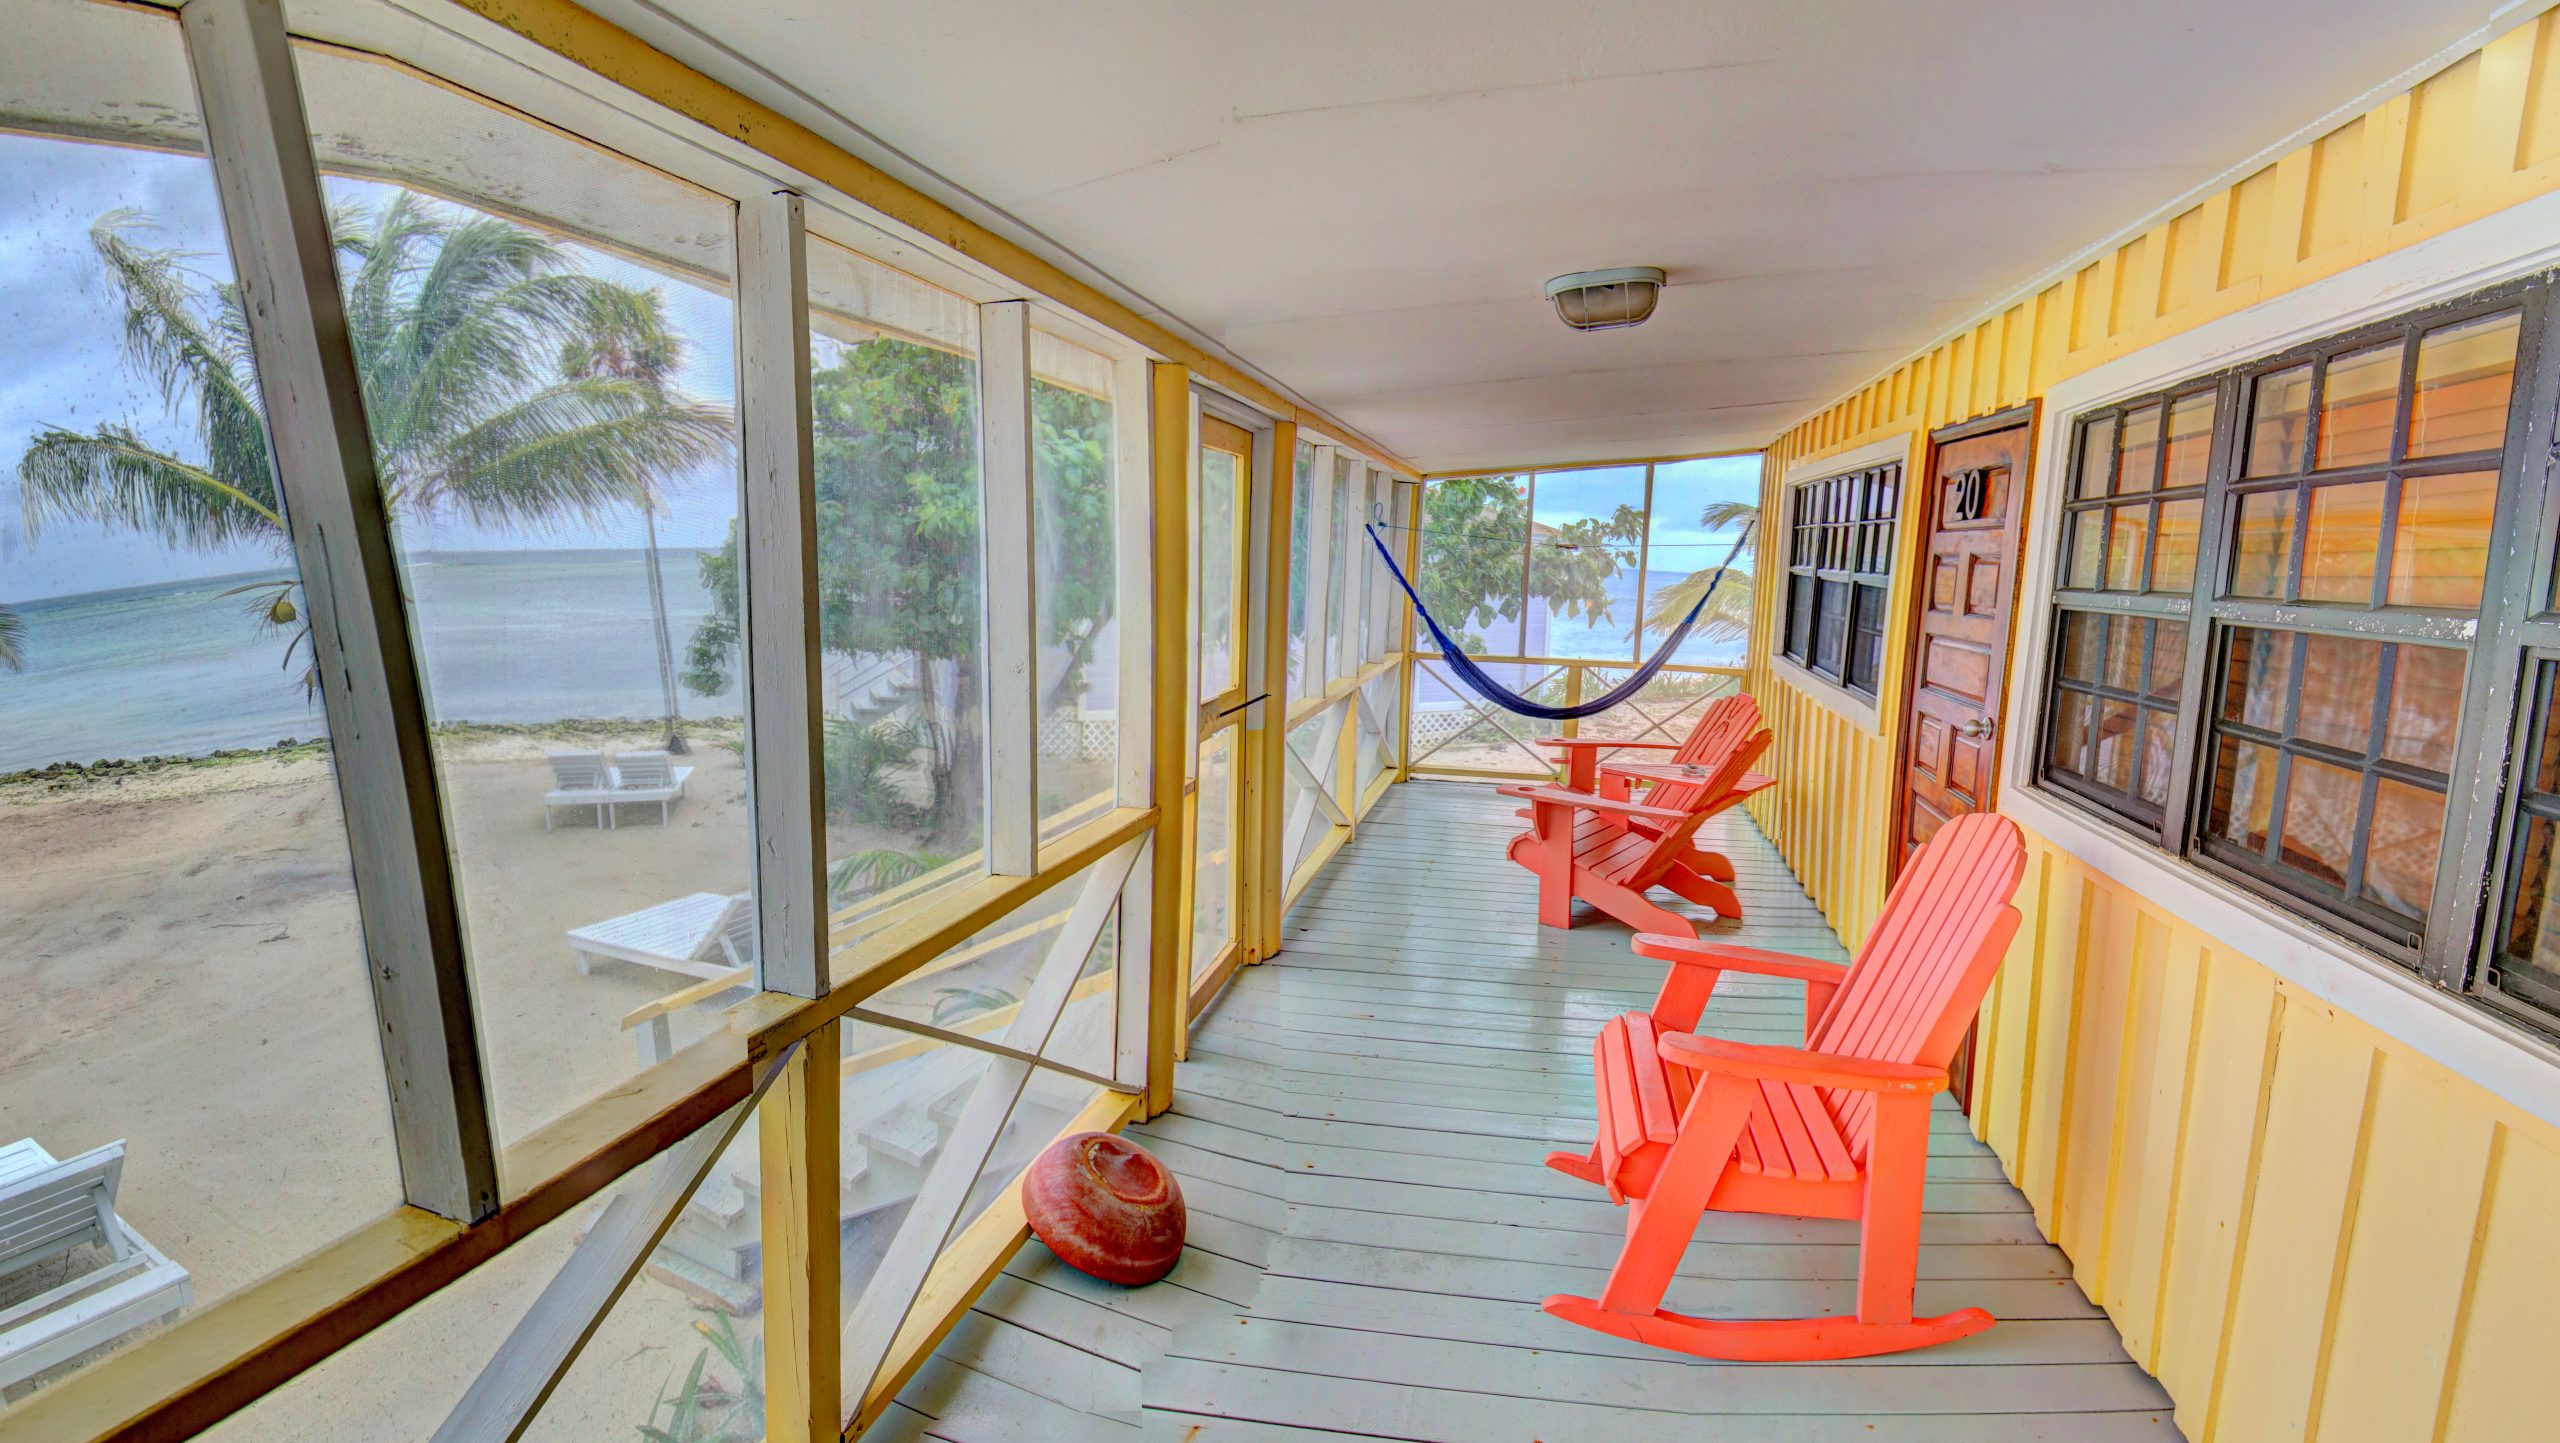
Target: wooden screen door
x,y
1952,724
1214,797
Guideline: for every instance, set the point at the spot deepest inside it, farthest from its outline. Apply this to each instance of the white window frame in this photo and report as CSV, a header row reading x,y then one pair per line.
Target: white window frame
x,y
2509,1060
1909,450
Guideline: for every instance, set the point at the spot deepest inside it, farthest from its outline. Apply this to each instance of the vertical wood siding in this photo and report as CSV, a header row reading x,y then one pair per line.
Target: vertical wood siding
x,y
2303,1228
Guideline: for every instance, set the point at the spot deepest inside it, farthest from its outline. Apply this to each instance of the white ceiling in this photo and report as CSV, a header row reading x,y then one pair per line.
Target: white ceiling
x,y
1362,198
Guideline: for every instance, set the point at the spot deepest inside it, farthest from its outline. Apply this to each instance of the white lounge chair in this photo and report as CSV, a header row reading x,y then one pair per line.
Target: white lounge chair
x,y
579,779
49,1208
707,935
650,776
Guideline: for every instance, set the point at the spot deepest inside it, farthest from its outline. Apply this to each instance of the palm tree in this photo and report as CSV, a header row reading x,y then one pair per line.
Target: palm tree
x,y
641,349
13,640
1728,615
472,338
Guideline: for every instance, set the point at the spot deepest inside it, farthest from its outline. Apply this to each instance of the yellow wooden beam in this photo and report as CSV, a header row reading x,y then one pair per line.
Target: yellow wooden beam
x,y
800,1136
586,39
1258,923
1171,388
1404,650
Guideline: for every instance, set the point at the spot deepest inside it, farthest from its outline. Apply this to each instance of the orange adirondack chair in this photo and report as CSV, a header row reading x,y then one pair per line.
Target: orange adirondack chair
x,y
1837,1129
1710,787
1611,868
1710,773
1719,724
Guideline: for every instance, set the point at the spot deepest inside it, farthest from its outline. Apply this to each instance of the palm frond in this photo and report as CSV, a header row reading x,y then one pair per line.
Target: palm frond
x,y
1721,515
116,478
200,364
576,446
1728,613
13,640
624,333
877,870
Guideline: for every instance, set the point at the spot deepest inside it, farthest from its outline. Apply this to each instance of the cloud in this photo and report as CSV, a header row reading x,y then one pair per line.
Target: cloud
x,y
61,335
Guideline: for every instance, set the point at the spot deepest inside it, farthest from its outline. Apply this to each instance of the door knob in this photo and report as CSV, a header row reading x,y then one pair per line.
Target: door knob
x,y
1978,728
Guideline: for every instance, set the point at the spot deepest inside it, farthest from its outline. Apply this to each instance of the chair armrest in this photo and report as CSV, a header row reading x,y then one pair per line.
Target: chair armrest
x,y
1605,742
1788,1064
1724,956
1682,773
1591,802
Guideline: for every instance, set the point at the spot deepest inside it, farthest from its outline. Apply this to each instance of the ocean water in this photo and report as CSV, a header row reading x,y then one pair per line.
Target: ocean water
x,y
508,636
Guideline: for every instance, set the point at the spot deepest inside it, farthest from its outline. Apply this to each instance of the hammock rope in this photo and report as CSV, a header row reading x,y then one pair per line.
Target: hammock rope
x,y
1483,684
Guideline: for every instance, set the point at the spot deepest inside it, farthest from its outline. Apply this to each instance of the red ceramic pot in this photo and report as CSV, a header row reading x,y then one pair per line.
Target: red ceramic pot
x,y
1106,1206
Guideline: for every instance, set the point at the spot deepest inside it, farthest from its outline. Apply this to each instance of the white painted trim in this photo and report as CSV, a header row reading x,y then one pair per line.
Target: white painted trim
x,y
1355,574
2462,1035
1319,660
1191,605
1908,449
1005,588
1227,408
778,537
1133,984
1833,696
1905,447
275,221
1133,477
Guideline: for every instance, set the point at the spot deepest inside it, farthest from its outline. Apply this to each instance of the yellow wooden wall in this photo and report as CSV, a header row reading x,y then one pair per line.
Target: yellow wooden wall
x,y
2305,1229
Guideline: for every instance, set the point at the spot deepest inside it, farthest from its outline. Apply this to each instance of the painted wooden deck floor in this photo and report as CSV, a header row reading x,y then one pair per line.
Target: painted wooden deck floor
x,y
1358,1133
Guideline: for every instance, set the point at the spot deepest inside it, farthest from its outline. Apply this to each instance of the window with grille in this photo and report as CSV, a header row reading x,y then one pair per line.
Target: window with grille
x,y
1840,533
2296,600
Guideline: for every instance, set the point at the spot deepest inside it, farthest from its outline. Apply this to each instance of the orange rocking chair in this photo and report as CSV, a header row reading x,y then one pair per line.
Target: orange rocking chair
x,y
1837,1129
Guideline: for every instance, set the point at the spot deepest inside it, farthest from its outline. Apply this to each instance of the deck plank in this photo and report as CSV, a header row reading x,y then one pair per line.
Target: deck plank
x,y
1359,1132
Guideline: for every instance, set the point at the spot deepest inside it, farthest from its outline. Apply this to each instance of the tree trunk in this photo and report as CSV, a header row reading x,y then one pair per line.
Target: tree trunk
x,y
666,641
959,780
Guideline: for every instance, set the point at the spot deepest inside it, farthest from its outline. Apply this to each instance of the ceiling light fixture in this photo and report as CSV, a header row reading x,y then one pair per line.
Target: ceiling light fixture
x,y
1606,300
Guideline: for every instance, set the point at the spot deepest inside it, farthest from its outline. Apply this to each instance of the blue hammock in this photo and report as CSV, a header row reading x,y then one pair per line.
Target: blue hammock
x,y
1502,696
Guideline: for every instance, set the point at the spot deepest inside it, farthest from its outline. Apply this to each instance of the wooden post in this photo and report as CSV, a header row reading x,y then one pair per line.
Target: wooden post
x,y
1134,556
778,532
1170,418
1262,822
277,220
799,1132
1412,558
1346,759
1320,564
1005,584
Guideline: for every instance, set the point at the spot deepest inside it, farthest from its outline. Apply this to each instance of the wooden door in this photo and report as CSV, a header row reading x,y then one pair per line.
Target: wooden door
x,y
1952,723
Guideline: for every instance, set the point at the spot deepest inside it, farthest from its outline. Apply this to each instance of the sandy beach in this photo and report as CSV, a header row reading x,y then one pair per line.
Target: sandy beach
x,y
186,977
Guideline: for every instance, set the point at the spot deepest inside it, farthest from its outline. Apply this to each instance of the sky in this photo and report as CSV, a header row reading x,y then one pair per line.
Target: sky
x,y
1676,543
60,335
